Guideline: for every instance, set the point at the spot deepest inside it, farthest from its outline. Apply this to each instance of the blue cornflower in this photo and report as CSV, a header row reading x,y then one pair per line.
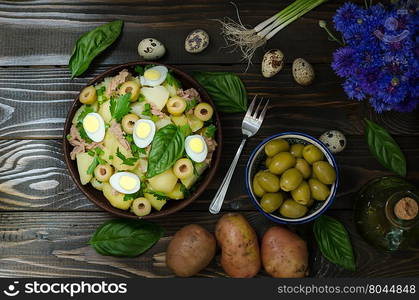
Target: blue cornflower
x,y
349,14
353,90
343,61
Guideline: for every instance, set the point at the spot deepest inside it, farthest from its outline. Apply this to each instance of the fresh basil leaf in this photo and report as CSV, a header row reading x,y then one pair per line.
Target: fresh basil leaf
x,y
186,130
90,44
121,237
120,107
334,243
185,191
385,148
167,147
190,104
210,131
126,161
226,89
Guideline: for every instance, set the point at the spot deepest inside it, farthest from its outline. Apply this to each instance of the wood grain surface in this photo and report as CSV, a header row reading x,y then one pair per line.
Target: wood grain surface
x,y
45,222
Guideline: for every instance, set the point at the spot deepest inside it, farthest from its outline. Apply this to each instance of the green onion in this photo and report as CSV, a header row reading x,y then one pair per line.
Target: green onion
x,y
249,40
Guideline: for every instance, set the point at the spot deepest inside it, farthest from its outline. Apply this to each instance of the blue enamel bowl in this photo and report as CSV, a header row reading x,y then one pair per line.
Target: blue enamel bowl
x,y
257,162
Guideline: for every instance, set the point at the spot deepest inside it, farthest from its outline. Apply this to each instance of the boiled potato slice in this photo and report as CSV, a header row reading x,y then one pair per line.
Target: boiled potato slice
x,y
163,122
137,108
157,95
176,193
84,160
180,120
172,89
164,182
155,203
118,163
189,181
110,143
105,112
115,198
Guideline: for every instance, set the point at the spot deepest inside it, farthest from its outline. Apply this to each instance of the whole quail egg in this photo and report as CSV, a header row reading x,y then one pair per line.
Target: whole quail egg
x,y
334,140
94,126
272,62
302,71
196,148
154,76
151,49
125,182
197,41
143,132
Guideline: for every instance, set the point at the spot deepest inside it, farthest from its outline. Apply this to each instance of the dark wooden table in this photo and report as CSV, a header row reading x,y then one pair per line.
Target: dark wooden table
x,y
45,222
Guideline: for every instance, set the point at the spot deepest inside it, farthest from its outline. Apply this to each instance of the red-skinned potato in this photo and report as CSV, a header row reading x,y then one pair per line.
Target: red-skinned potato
x,y
240,256
191,250
284,254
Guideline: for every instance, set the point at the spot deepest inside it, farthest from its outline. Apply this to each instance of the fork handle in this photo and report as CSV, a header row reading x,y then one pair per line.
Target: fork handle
x,y
218,200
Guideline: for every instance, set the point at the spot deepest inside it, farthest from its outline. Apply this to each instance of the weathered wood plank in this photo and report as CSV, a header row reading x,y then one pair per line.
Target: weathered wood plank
x,y
34,103
33,175
51,29
55,245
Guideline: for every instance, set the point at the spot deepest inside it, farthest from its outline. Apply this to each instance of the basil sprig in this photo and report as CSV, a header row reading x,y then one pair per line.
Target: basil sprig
x,y
120,237
167,147
92,43
334,243
120,107
226,89
385,148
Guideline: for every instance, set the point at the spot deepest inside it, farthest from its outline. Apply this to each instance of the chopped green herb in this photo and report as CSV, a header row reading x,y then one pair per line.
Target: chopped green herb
x,y
141,98
210,131
155,118
185,191
83,133
139,69
93,165
190,104
147,110
126,161
110,157
101,95
171,80
158,195
68,137
91,152
136,195
186,130
120,107
88,109
148,67
98,151
136,151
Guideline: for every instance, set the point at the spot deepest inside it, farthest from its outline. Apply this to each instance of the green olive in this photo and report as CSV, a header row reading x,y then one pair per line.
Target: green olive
x,y
290,180
297,150
324,172
88,95
268,182
302,193
130,87
292,209
319,191
176,106
281,162
183,168
275,146
257,189
128,122
271,201
268,161
304,167
203,111
103,172
141,207
312,154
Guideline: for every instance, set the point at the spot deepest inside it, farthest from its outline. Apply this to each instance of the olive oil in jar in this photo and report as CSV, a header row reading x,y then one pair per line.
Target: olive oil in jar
x,y
386,214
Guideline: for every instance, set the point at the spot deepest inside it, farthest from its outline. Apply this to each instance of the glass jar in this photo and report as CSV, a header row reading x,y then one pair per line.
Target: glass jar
x,y
386,214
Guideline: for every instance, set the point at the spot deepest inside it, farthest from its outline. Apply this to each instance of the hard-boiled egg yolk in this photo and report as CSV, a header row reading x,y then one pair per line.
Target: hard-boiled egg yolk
x,y
127,182
151,74
196,145
143,130
91,123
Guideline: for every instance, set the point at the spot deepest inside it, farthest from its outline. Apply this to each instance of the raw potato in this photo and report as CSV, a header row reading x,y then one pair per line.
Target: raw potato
x,y
284,254
191,250
240,257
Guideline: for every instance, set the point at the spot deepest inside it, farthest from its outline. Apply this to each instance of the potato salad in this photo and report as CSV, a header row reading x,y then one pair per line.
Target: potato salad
x,y
141,139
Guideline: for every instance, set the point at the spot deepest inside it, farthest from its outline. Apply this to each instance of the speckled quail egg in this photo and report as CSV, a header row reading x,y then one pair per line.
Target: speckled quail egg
x,y
125,182
143,132
272,63
197,41
94,126
302,71
334,140
154,76
151,49
196,148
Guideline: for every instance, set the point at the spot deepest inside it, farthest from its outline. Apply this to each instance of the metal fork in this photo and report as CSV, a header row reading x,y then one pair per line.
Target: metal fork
x,y
250,126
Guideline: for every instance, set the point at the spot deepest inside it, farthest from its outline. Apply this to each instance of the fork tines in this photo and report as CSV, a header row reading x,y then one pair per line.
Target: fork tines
x,y
255,114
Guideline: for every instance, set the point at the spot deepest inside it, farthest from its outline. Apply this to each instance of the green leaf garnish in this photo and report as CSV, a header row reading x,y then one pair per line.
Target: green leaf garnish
x,y
126,161
190,104
139,70
172,81
120,107
210,131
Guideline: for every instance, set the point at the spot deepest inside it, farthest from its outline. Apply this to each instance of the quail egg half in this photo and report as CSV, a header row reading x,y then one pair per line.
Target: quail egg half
x,y
94,126
143,132
196,148
125,182
154,76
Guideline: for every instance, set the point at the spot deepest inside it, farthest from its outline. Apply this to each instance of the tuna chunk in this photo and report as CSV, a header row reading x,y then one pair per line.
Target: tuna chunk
x,y
116,81
116,130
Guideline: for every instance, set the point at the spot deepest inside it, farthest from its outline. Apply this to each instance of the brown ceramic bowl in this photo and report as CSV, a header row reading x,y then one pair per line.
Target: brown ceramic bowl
x,y
172,206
